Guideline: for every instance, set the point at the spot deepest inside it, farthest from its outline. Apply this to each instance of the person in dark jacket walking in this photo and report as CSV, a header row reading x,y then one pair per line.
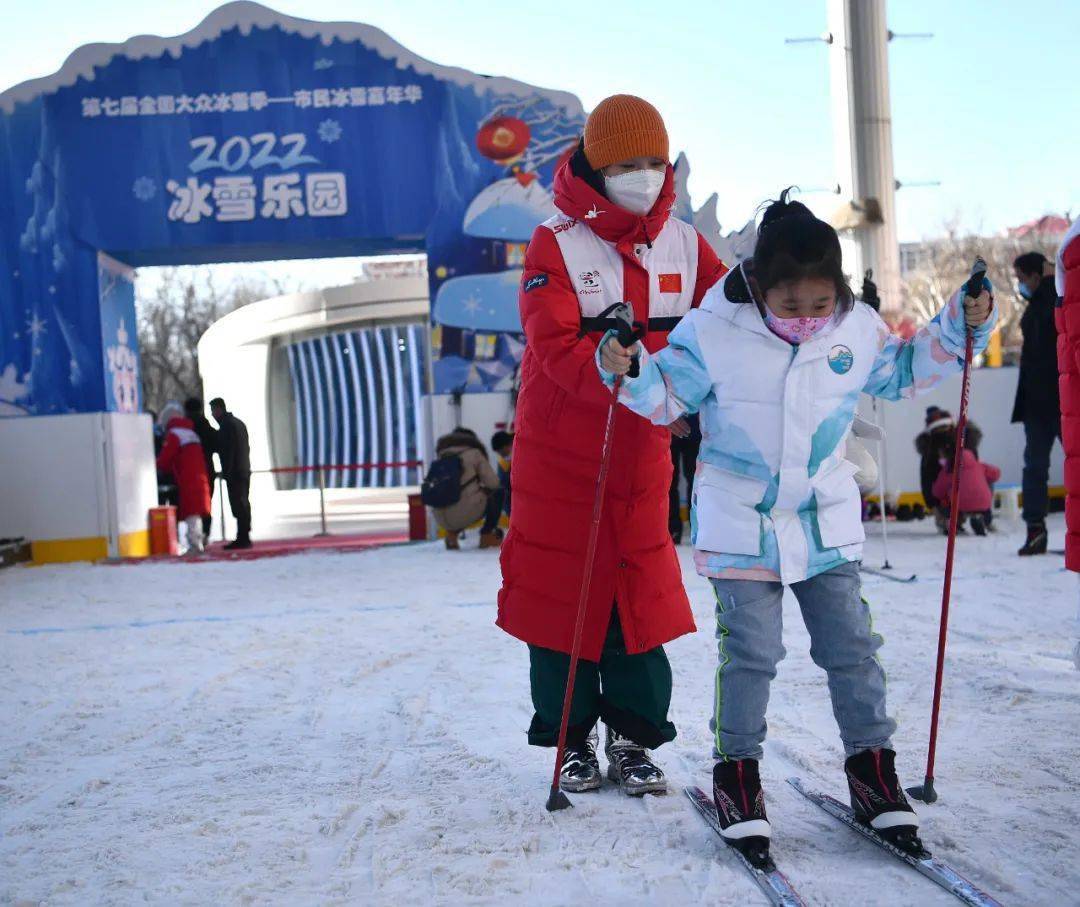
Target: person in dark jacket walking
x,y
235,456
1037,404
193,409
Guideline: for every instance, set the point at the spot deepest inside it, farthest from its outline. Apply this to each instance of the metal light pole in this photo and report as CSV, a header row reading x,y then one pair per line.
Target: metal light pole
x,y
862,140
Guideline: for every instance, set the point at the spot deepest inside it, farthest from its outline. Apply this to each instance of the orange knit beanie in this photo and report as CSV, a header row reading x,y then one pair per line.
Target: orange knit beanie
x,y
622,127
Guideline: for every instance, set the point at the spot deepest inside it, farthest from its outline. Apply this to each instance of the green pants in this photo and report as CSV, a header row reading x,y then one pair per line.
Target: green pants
x,y
630,692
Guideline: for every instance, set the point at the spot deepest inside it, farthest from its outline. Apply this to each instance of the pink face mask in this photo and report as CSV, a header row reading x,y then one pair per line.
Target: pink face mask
x,y
796,330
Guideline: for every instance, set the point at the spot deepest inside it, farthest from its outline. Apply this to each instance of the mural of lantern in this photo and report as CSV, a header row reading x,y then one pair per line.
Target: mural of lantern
x,y
503,139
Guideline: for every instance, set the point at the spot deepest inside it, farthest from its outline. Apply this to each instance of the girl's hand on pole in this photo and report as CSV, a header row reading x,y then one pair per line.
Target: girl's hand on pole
x,y
976,311
616,358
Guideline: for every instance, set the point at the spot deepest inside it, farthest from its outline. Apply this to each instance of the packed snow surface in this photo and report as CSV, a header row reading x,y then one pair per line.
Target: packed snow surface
x,y
350,728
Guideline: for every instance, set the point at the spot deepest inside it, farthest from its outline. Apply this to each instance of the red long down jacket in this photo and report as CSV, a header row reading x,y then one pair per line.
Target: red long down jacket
x,y
182,455
560,419
1068,326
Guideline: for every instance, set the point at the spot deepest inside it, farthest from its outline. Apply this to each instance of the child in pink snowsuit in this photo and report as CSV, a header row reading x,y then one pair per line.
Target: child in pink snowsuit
x,y
975,494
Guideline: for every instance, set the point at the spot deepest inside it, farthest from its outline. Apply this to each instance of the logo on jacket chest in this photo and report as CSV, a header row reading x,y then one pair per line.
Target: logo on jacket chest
x,y
841,359
589,283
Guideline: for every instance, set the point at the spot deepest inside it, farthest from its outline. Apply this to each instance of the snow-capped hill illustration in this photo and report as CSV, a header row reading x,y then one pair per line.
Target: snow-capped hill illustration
x,y
684,210
732,248
12,390
480,302
509,209
245,15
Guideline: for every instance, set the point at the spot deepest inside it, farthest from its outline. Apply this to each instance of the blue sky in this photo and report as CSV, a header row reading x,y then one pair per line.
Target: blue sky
x,y
990,106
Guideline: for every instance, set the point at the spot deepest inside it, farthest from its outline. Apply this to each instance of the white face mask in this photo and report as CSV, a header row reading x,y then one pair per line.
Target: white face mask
x,y
635,191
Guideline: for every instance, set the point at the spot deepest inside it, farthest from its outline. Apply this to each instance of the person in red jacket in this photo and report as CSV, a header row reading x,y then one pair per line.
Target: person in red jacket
x,y
182,455
976,492
1068,355
614,241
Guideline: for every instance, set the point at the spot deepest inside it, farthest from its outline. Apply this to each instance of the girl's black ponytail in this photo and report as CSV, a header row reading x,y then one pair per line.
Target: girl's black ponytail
x,y
793,244
781,208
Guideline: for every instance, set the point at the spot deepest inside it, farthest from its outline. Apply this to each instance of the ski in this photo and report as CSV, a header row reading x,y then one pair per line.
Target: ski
x,y
892,577
937,871
772,882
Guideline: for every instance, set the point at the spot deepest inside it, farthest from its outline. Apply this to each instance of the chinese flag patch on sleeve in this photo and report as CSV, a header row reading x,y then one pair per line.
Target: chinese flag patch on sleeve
x,y
671,283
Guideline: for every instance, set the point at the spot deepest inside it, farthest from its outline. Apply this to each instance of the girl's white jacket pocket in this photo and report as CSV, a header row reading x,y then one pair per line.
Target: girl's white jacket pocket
x,y
726,519
839,506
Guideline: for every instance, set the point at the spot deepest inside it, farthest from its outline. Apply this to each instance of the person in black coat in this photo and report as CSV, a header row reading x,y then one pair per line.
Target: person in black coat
x,y
234,454
1037,405
193,409
684,454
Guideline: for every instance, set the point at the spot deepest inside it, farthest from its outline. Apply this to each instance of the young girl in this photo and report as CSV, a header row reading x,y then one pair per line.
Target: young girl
x,y
775,359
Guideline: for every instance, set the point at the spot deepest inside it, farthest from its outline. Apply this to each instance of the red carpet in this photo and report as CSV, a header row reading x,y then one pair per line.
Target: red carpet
x,y
279,547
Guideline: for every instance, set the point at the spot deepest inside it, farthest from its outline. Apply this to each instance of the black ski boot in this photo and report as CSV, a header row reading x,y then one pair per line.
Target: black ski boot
x,y
1037,540
580,767
979,524
878,799
740,807
630,766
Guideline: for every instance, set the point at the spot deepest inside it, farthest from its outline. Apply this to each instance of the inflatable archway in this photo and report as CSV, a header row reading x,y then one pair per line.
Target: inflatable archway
x,y
258,136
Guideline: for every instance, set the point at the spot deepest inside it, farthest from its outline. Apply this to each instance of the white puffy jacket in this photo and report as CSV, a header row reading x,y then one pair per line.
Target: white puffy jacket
x,y
774,497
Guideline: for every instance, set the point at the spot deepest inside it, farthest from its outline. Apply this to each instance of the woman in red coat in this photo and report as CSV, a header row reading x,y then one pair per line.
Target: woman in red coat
x,y
182,455
1068,328
614,241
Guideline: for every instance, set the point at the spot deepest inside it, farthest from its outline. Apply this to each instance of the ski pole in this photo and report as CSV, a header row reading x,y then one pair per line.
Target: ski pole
x,y
871,298
626,336
925,791
880,420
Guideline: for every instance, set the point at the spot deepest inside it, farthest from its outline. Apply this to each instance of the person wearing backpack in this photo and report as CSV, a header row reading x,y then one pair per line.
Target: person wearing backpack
x,y
461,488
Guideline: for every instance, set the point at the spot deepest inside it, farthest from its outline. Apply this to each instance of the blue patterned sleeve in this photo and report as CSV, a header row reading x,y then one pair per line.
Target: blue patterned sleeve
x,y
905,368
672,382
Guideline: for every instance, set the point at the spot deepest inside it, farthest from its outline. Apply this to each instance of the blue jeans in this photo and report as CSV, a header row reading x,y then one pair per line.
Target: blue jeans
x,y
749,631
1039,438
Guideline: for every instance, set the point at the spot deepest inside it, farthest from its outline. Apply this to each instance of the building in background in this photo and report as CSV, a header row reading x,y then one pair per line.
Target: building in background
x,y
328,378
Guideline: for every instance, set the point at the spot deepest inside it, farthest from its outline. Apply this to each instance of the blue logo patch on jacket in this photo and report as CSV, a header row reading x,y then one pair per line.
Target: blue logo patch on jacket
x,y
537,280
841,359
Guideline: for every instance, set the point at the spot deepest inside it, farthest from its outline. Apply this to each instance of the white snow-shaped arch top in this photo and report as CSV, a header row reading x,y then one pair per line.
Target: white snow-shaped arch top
x,y
247,15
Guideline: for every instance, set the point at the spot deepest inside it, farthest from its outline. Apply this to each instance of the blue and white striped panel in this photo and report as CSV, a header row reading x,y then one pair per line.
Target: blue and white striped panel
x,y
358,400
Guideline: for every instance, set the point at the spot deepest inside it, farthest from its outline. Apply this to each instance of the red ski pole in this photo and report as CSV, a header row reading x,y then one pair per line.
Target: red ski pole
x,y
925,791
557,799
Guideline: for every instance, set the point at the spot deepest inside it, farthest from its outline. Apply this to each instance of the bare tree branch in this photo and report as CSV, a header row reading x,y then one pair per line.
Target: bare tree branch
x,y
944,264
174,316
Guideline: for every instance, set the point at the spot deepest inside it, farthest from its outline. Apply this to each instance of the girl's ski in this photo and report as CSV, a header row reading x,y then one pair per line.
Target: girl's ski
x,y
772,882
937,871
884,574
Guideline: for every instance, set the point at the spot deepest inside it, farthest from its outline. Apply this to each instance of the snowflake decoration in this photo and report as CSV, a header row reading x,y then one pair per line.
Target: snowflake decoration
x,y
36,326
329,131
323,63
144,188
471,305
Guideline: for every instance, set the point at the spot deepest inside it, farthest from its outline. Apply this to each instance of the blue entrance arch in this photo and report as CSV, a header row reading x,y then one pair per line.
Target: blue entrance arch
x,y
259,136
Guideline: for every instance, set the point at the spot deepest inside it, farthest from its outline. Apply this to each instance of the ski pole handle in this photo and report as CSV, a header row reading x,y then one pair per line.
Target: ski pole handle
x,y
627,333
974,285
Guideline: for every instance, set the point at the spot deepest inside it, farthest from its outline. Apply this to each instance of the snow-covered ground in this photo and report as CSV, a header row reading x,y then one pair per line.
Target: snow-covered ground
x,y
341,728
